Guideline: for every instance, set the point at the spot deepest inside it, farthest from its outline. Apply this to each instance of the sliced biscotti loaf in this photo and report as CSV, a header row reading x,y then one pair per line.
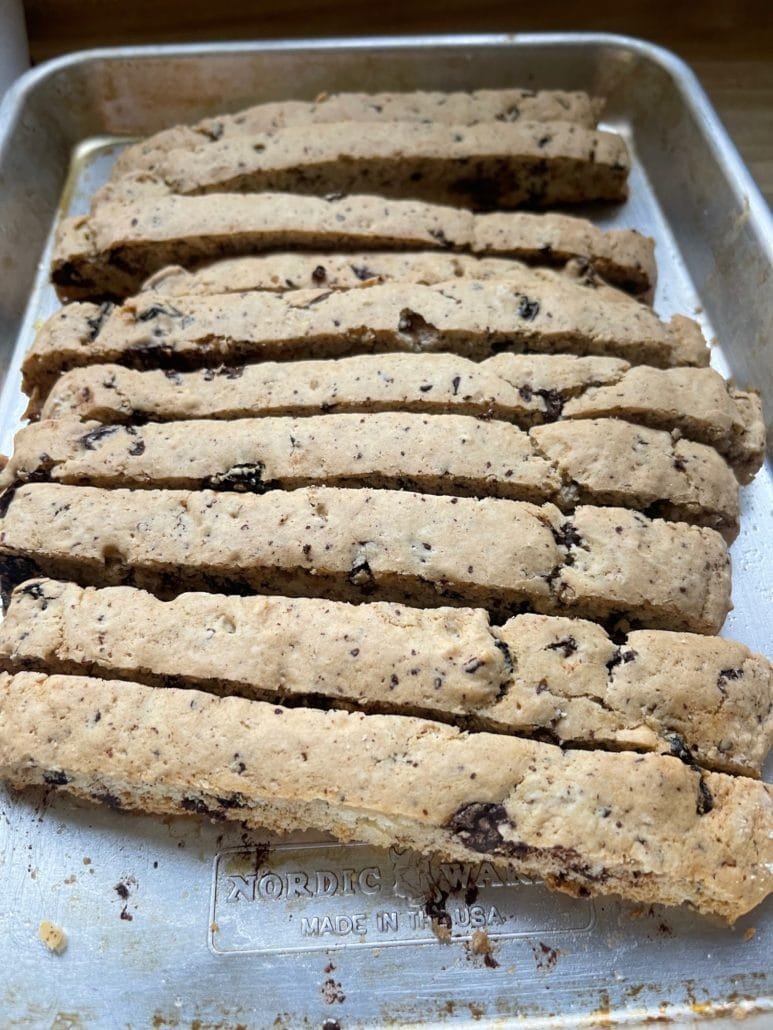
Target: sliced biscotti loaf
x,y
650,827
483,105
467,317
112,251
349,544
556,678
527,389
295,270
601,461
486,166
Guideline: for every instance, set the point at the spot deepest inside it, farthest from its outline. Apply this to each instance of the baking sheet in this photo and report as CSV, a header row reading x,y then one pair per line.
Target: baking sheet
x,y
180,922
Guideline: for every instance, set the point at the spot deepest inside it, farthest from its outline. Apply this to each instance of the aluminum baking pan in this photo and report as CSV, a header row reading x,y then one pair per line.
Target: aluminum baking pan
x,y
175,922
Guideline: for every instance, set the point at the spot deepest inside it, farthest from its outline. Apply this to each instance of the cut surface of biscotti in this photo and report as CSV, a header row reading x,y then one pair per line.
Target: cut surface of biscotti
x,y
600,461
702,698
350,544
455,108
471,318
281,271
527,389
112,251
486,166
649,827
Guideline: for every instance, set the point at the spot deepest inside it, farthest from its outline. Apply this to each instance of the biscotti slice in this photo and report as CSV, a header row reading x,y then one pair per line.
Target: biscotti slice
x,y
527,389
737,430
483,105
433,383
537,675
295,270
486,166
113,251
350,545
649,827
471,318
603,461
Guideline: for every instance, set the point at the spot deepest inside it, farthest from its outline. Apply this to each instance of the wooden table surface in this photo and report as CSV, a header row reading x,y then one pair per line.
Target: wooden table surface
x,y
729,43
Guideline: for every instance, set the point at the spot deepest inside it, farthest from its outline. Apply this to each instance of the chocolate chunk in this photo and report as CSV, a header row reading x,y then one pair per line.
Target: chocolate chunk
x,y
413,323
554,403
56,778
680,750
35,591
507,654
96,322
363,272
567,645
705,798
108,799
195,805
477,824
528,309
159,309
361,574
243,478
91,439
567,535
319,275
621,656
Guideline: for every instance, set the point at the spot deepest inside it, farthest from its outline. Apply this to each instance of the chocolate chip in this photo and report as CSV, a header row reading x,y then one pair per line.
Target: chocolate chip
x,y
477,825
56,778
361,574
507,654
246,478
35,591
705,801
108,799
455,383
363,272
528,309
96,322
91,439
567,535
567,645
726,675
554,403
681,751
621,656
319,275
159,309
195,805
440,236
413,323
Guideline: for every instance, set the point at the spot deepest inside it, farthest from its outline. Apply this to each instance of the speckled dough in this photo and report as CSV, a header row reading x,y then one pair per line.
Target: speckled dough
x,y
384,544
295,270
113,250
603,461
487,166
474,319
483,105
562,678
527,389
649,827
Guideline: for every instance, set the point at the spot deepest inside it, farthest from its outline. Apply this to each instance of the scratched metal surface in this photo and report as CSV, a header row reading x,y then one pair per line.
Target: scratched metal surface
x,y
178,922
